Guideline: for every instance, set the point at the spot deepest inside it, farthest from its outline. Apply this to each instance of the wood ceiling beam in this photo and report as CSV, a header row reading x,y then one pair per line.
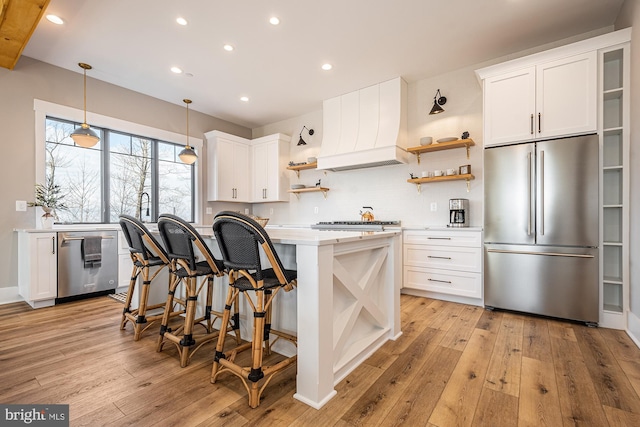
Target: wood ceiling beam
x,y
18,21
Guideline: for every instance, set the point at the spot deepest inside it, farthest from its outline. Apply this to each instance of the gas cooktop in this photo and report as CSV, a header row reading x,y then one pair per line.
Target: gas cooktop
x,y
355,225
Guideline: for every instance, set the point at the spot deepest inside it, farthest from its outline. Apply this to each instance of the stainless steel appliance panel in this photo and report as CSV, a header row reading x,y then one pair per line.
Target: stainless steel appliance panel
x,y
567,192
552,281
509,197
73,278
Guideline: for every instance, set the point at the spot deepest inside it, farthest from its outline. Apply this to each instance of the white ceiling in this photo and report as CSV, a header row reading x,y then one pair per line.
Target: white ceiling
x,y
133,44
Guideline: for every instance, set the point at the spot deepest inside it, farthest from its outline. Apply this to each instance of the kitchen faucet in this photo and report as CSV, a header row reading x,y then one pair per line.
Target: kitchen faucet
x,y
140,205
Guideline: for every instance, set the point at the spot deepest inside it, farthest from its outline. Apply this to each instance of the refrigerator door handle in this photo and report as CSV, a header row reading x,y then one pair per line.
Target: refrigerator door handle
x,y
541,201
501,251
530,196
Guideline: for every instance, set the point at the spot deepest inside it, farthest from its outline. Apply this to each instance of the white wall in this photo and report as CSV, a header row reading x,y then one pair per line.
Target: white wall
x,y
385,188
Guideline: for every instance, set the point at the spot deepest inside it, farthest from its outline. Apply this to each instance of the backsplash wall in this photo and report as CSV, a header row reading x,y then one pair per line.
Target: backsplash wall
x,y
385,188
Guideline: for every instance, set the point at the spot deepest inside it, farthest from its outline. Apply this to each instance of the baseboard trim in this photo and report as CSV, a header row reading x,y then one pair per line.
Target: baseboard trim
x,y
633,328
9,295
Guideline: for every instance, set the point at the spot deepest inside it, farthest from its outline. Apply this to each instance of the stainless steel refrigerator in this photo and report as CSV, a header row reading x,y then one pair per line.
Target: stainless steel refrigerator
x,y
542,229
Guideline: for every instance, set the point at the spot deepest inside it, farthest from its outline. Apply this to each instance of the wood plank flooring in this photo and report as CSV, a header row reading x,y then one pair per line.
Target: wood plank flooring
x,y
454,365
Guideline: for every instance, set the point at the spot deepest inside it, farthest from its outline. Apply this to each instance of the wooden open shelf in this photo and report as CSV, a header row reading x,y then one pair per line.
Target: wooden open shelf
x,y
305,166
309,190
439,146
418,181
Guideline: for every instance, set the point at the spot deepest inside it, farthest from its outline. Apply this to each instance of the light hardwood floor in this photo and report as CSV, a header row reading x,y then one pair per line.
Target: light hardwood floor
x,y
454,365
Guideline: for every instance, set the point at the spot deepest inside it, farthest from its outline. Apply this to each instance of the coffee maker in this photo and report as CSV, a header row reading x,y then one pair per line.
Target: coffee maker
x,y
458,213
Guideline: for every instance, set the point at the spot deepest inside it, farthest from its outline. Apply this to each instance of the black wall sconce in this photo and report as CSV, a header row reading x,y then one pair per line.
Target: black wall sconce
x,y
310,131
438,100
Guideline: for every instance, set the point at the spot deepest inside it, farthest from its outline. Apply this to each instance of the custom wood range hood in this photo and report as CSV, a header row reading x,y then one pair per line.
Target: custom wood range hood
x,y
18,21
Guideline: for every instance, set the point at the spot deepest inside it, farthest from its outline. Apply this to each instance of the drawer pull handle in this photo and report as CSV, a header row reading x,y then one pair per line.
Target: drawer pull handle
x,y
441,281
439,238
439,257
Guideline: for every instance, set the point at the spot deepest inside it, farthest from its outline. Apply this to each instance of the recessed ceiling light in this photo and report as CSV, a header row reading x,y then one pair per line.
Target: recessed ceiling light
x,y
244,98
176,70
55,19
228,47
327,67
274,20
180,20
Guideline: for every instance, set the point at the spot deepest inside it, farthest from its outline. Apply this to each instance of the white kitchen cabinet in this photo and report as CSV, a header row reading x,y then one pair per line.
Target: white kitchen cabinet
x,y
443,264
37,268
270,157
551,99
229,168
125,264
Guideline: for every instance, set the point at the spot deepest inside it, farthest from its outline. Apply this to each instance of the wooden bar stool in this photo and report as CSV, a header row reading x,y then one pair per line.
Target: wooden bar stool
x,y
183,245
240,239
145,253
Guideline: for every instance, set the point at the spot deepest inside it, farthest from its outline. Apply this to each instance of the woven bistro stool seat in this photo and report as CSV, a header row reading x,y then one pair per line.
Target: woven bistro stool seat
x,y
184,246
241,241
146,254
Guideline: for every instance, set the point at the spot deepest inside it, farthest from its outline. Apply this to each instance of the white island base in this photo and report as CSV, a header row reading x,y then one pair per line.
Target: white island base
x,y
348,303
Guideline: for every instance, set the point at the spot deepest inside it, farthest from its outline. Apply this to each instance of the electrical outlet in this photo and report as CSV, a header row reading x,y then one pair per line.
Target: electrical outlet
x,y
270,211
209,211
246,211
434,206
21,205
315,210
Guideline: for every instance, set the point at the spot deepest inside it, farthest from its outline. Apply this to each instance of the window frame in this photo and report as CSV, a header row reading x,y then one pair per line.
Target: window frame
x,y
44,109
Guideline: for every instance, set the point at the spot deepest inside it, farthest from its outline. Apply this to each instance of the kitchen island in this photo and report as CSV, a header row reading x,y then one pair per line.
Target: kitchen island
x,y
347,301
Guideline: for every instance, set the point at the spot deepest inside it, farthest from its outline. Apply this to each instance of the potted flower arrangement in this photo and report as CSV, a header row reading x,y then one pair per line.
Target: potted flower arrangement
x,y
48,197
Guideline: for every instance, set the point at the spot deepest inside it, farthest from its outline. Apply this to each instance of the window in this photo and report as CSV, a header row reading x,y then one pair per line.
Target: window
x,y
123,173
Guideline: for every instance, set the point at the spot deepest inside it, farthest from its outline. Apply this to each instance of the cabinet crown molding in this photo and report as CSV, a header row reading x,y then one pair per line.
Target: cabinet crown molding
x,y
588,45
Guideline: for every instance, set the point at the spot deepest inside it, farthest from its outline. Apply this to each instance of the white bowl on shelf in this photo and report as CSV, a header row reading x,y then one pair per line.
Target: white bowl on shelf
x,y
426,140
311,160
297,186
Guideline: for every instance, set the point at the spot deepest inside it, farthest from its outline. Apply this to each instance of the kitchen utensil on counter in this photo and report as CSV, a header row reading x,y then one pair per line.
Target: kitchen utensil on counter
x,y
448,139
426,140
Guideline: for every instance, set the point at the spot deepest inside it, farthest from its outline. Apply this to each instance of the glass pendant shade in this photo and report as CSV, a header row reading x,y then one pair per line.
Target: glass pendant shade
x,y
187,155
84,136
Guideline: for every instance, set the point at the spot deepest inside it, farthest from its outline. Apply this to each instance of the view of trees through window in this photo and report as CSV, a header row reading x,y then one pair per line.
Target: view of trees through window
x,y
122,174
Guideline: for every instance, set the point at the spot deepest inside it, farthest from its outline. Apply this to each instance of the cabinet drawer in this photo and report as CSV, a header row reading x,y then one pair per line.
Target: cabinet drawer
x,y
450,258
443,281
443,238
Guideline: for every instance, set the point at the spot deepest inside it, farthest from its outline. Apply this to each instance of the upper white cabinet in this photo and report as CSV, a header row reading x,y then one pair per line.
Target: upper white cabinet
x,y
270,180
229,168
249,171
37,268
554,98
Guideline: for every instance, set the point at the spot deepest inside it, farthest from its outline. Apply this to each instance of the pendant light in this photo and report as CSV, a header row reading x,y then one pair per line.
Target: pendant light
x,y
187,155
84,136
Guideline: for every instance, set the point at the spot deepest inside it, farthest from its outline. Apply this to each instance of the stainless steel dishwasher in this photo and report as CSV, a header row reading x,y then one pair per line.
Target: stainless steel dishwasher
x,y
78,277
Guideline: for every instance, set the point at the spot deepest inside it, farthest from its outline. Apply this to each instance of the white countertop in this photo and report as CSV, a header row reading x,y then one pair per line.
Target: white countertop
x,y
309,237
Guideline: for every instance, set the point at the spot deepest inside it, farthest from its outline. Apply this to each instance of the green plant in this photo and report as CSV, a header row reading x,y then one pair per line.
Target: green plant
x,y
49,196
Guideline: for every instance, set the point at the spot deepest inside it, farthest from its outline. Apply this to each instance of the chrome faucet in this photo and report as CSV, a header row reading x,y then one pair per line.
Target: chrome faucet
x,y
140,205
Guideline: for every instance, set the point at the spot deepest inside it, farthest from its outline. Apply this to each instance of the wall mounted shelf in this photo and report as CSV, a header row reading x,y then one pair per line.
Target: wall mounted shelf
x,y
302,167
459,143
418,181
309,190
